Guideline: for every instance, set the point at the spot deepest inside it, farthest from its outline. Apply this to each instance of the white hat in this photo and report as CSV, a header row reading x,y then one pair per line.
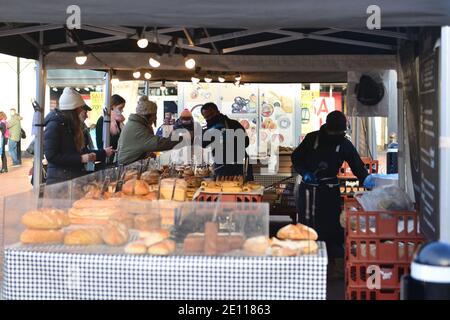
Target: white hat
x,y
70,100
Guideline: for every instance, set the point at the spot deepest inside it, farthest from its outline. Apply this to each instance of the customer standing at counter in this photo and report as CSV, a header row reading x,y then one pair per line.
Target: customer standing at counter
x,y
218,121
4,135
318,159
64,140
116,125
137,140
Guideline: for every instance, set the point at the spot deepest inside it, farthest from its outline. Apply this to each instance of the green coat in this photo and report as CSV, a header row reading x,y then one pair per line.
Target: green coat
x,y
136,141
15,128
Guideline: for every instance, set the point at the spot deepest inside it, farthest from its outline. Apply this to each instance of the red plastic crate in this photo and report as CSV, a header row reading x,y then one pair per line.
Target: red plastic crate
x,y
355,293
356,274
346,173
381,251
214,197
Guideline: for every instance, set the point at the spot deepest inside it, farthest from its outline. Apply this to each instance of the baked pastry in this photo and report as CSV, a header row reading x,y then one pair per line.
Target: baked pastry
x,y
88,236
46,218
194,243
297,232
130,174
298,246
135,187
151,177
164,233
34,236
124,218
95,203
155,237
162,248
147,222
136,247
92,215
256,245
115,233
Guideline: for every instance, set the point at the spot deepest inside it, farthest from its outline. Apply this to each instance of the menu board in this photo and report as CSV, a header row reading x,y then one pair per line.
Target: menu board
x,y
429,136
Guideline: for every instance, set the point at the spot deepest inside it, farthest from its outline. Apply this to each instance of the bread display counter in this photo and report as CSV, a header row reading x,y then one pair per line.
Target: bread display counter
x,y
91,242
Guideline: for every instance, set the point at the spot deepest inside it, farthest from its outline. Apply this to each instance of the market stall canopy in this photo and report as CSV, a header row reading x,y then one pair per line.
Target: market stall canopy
x,y
231,13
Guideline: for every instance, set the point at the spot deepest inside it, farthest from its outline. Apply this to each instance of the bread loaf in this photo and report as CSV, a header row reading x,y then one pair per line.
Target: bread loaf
x,y
46,218
297,232
136,247
162,248
35,236
155,237
147,222
297,246
115,234
256,245
94,203
92,215
87,236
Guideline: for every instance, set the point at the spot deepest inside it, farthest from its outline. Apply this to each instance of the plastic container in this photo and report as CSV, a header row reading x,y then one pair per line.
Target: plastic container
x,y
390,274
355,293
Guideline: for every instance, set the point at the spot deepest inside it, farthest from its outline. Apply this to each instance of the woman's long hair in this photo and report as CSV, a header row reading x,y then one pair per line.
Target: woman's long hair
x,y
73,120
2,115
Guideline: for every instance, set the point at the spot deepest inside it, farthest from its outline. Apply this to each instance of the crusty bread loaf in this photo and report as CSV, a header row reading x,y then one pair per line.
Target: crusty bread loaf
x,y
115,233
164,233
147,222
297,246
151,177
256,245
95,203
136,247
162,248
128,187
46,218
86,236
297,232
92,215
124,218
155,237
140,188
35,236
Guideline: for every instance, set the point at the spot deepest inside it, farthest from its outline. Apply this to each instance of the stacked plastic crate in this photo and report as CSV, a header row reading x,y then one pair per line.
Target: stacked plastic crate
x,y
349,184
379,248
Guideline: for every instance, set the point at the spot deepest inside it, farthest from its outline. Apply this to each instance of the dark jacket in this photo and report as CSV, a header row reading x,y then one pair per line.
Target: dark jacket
x,y
222,166
137,141
64,161
319,147
114,139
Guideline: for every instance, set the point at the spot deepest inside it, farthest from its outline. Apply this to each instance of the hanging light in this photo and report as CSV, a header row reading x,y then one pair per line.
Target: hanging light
x,y
147,75
195,79
78,89
237,77
137,74
87,89
81,58
189,63
142,43
208,78
154,61
221,78
55,89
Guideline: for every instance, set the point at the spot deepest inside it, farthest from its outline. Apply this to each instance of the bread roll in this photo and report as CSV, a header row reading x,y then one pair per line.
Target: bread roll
x,y
92,203
128,187
164,233
147,222
34,236
298,246
283,252
136,247
151,177
162,248
297,232
141,188
115,233
130,174
46,219
155,237
86,236
256,245
92,215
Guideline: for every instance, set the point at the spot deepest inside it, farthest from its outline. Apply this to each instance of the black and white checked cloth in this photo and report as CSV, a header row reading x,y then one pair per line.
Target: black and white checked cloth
x,y
49,275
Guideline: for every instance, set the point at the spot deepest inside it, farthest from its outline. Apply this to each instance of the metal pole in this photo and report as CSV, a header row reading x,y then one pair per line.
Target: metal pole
x,y
444,129
107,115
147,88
401,128
18,85
41,78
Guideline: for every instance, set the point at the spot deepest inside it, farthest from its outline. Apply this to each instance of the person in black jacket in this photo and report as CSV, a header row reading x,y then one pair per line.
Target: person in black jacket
x,y
318,159
226,164
64,140
116,125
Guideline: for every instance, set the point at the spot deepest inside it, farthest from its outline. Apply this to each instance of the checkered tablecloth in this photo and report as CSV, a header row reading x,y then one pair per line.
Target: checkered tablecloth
x,y
49,275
